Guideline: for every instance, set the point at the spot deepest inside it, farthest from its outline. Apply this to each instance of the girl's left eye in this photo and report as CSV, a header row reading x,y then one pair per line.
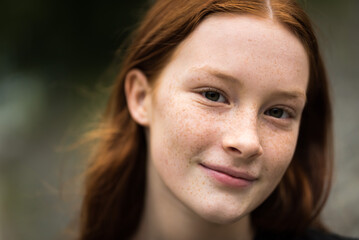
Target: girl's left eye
x,y
214,96
277,113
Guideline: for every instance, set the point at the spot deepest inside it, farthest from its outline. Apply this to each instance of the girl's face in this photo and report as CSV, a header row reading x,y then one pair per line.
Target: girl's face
x,y
224,119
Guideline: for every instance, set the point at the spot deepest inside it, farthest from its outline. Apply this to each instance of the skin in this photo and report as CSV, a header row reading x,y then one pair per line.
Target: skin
x,y
231,96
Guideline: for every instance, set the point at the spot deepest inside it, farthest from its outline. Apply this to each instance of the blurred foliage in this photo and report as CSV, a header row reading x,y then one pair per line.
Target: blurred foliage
x,y
64,36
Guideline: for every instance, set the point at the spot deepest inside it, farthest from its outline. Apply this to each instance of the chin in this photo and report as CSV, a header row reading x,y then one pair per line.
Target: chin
x,y
222,219
221,216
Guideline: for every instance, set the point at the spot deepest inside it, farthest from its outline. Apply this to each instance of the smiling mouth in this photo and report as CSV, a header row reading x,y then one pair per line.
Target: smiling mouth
x,y
229,177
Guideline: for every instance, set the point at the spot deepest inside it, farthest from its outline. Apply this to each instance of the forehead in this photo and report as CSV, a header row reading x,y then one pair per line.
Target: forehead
x,y
245,32
248,47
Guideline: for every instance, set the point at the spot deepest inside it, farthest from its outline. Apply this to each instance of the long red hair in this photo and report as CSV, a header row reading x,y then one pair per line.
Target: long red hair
x,y
115,181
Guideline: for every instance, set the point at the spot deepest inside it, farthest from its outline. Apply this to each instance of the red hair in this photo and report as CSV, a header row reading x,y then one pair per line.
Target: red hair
x,y
115,181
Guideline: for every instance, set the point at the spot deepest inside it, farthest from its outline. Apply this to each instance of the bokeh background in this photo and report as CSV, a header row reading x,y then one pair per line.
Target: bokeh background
x,y
54,73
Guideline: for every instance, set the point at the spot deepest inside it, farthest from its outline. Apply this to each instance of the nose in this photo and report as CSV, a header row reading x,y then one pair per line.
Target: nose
x,y
242,140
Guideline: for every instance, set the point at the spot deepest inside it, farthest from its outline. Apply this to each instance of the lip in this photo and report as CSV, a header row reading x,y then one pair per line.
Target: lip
x,y
229,176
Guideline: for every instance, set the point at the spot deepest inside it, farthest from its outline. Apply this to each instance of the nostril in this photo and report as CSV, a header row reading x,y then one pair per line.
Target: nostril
x,y
233,149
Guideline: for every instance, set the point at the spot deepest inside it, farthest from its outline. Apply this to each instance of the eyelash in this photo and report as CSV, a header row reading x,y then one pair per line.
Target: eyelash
x,y
287,111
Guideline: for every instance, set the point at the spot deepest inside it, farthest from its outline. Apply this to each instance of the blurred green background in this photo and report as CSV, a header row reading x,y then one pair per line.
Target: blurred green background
x,y
54,59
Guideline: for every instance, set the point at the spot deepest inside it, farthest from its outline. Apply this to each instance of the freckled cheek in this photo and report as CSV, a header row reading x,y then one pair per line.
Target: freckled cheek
x,y
187,124
279,149
180,131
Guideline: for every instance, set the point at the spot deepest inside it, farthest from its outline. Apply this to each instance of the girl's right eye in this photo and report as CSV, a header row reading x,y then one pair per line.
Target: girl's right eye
x,y
214,96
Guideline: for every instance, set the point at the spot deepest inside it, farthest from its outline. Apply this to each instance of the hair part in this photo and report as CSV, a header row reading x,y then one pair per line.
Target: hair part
x,y
269,7
115,181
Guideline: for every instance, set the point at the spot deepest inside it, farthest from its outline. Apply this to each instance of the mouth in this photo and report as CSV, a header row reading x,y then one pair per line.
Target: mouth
x,y
228,176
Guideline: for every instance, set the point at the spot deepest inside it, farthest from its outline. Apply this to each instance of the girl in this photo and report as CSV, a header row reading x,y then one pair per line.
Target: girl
x,y
218,127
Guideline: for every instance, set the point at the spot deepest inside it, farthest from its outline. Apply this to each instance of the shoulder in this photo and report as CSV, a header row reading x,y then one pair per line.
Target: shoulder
x,y
310,234
319,235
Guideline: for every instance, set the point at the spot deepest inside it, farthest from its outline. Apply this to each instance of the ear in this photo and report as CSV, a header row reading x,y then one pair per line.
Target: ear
x,y
138,92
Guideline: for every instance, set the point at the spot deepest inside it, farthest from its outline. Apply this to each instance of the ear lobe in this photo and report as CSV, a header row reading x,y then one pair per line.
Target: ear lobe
x,y
137,92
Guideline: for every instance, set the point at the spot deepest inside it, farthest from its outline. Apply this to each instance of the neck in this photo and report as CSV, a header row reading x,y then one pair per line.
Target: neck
x,y
165,217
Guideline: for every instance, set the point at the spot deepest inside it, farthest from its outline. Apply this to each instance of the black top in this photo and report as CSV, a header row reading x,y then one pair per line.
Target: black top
x,y
308,235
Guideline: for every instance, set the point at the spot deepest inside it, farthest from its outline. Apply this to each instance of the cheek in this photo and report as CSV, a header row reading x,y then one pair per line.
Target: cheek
x,y
279,148
178,133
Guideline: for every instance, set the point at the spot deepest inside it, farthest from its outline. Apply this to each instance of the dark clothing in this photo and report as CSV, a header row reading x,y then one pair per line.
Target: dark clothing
x,y
309,235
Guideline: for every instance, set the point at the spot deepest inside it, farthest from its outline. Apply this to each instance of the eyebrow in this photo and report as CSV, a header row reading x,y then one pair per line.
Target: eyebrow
x,y
219,74
290,94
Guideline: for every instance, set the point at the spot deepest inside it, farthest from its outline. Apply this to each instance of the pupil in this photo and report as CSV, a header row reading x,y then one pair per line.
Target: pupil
x,y
276,112
214,96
